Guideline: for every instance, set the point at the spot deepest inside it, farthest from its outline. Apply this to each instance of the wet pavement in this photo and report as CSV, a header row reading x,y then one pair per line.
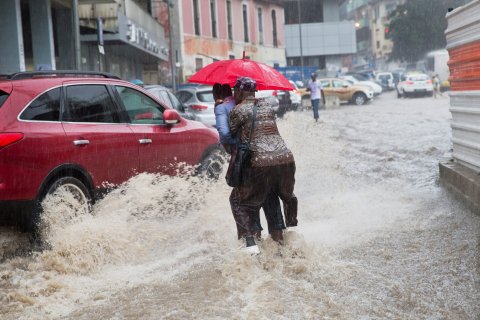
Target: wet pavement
x,y
378,237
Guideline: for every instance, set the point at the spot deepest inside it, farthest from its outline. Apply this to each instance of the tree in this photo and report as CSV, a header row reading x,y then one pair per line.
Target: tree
x,y
418,26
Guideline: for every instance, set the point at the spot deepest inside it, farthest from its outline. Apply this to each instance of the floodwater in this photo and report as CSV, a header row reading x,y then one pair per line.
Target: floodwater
x,y
378,238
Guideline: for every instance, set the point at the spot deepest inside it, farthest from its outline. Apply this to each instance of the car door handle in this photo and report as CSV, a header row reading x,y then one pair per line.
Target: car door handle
x,y
81,142
145,141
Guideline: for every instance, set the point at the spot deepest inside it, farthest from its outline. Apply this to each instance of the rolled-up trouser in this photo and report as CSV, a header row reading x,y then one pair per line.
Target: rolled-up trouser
x,y
271,208
259,183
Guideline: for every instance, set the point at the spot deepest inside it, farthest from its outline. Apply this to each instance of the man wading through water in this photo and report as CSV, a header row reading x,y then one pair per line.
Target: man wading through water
x,y
272,166
271,206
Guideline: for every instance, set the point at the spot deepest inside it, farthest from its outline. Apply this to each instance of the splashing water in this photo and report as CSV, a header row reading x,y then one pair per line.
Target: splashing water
x,y
377,237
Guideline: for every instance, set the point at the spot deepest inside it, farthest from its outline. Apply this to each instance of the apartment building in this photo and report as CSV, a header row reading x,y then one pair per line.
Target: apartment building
x,y
371,19
204,31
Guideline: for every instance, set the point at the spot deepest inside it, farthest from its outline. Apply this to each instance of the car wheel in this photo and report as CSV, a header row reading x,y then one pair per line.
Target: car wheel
x,y
399,95
405,95
212,165
71,195
359,98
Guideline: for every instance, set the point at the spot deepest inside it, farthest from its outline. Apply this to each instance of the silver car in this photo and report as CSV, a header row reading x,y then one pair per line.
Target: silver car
x,y
199,100
170,100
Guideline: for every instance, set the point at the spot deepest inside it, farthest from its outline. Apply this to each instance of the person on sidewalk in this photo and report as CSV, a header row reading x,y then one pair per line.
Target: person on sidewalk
x,y
272,166
316,93
271,206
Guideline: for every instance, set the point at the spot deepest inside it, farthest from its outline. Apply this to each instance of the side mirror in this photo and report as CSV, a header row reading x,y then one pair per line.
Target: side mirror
x,y
171,116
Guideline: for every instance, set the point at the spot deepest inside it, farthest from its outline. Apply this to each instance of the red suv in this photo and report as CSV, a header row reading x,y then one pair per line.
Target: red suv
x,y
83,131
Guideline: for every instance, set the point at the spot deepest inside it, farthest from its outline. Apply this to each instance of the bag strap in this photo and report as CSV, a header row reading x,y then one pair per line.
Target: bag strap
x,y
253,124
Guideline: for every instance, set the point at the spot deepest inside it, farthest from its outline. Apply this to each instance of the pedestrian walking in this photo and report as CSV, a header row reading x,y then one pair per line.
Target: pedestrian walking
x,y
271,167
436,86
316,93
271,206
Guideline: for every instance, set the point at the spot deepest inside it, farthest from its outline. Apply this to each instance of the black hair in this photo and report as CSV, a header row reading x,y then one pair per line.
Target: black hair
x,y
217,91
225,91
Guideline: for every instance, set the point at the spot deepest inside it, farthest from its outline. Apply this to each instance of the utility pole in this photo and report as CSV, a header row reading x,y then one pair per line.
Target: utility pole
x,y
76,33
171,51
299,7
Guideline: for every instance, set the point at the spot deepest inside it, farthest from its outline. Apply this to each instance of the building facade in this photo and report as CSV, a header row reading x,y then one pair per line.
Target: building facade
x,y
211,30
316,37
372,24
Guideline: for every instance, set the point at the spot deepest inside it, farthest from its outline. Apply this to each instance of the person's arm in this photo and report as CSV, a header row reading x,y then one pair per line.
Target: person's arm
x,y
221,118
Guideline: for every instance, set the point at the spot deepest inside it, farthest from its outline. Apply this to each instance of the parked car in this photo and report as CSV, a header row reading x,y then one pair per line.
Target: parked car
x,y
414,84
166,96
377,89
295,96
199,99
357,94
386,80
282,97
80,131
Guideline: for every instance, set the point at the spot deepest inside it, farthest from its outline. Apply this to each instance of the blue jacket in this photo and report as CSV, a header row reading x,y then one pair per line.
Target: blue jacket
x,y
222,112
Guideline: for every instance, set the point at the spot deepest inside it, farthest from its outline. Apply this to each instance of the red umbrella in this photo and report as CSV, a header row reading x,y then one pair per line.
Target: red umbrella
x,y
228,71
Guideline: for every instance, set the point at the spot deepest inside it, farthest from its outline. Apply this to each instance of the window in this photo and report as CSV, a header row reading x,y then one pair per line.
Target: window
x,y
3,97
140,108
245,23
176,104
196,18
184,96
165,98
325,83
378,44
45,108
337,83
89,103
198,64
274,28
213,18
231,56
205,96
229,20
260,26
162,97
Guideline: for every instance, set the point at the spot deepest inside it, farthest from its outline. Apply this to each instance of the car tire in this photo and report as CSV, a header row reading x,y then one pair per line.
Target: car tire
x,y
359,98
399,95
212,165
405,95
71,184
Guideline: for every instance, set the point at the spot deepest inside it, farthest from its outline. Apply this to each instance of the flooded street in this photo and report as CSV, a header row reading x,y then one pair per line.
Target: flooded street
x,y
378,238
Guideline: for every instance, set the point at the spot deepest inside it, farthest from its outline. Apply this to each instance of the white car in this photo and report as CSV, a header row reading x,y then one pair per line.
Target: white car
x,y
295,96
415,84
385,79
377,89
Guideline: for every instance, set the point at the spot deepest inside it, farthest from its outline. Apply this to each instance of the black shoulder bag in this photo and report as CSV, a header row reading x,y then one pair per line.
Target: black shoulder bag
x,y
242,158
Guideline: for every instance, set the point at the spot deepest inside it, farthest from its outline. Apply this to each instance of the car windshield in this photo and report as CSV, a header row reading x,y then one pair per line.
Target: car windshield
x,y
205,96
420,77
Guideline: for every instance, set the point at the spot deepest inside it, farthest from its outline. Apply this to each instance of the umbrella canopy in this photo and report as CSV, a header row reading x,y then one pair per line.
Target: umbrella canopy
x,y
228,71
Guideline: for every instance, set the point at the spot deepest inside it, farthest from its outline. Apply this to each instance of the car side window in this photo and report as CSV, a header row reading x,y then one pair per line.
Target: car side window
x,y
184,96
44,108
89,103
165,98
141,109
176,103
325,83
337,83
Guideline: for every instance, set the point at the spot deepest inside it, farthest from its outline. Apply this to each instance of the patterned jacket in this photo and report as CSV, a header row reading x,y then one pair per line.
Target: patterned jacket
x,y
268,147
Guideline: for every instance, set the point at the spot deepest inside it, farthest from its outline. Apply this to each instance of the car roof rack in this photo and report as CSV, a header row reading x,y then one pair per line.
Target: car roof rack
x,y
62,73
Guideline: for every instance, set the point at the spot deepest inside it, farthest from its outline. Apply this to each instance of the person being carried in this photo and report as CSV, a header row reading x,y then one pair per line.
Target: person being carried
x,y
272,166
271,206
